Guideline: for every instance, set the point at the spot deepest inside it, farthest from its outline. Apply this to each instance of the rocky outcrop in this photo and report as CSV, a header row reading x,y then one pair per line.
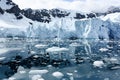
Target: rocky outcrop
x,y
16,11
44,15
1,11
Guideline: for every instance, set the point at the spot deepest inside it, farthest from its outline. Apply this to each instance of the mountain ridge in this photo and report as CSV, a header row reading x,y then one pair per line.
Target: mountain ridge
x,y
45,24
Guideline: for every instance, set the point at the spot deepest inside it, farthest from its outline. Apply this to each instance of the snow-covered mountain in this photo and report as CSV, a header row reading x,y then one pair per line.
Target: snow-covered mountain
x,y
49,24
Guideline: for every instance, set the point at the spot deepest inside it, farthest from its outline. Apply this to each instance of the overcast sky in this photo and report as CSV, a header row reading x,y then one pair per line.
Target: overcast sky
x,y
81,5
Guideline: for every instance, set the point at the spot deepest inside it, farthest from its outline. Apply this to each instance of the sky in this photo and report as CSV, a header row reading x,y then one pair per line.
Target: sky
x,y
79,5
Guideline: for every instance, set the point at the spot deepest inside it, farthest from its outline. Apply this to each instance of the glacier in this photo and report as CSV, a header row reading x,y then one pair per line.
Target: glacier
x,y
67,27
90,25
94,28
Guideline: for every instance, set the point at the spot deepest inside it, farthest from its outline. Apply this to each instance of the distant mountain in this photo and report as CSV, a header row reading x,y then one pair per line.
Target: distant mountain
x,y
45,15
45,24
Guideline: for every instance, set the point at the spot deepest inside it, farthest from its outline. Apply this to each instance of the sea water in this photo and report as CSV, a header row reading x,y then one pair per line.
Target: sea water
x,y
99,60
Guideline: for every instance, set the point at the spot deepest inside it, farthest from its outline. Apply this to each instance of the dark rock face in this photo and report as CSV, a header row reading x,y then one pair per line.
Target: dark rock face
x,y
9,2
58,13
36,15
91,15
1,11
82,16
79,16
16,11
111,35
44,15
13,9
100,14
113,10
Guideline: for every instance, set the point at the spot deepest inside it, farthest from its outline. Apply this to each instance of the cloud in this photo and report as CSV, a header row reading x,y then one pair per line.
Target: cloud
x,y
81,5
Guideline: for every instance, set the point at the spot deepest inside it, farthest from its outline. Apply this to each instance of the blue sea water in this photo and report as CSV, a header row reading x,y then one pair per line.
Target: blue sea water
x,y
22,53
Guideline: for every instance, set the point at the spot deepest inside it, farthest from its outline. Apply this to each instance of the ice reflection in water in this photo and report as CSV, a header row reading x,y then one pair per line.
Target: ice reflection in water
x,y
85,36
73,71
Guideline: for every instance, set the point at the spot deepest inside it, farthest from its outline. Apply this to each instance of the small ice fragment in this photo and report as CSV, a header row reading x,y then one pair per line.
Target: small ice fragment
x,y
58,74
103,49
33,52
32,72
37,77
40,46
75,71
12,78
70,74
106,79
49,66
114,60
98,64
2,58
22,72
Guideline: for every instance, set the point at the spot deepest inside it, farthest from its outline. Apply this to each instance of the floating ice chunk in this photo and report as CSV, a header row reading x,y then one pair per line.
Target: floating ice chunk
x,y
98,64
114,60
35,56
58,74
12,78
5,50
2,58
106,79
2,51
49,66
37,77
33,52
75,44
103,49
70,74
115,67
40,46
75,71
56,49
111,60
34,72
21,70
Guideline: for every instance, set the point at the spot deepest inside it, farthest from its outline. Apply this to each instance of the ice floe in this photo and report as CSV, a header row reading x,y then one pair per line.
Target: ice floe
x,y
98,64
58,74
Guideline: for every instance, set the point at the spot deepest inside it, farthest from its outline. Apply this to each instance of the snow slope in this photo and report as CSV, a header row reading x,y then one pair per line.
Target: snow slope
x,y
103,27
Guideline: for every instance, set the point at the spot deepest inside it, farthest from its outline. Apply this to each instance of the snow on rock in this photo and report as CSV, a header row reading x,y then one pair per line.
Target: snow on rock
x,y
98,28
114,17
9,21
58,74
5,6
98,64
